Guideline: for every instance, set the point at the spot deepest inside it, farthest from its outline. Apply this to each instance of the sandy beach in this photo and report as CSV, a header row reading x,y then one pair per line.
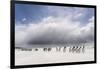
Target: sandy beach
x,y
53,55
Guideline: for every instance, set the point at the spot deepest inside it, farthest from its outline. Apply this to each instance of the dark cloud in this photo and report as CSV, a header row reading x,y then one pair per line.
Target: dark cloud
x,y
52,30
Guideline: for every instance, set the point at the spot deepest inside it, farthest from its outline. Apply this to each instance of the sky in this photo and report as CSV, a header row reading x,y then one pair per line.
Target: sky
x,y
26,13
39,24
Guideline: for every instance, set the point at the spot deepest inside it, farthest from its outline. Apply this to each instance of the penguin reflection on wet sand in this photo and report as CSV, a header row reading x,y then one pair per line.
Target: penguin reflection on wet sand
x,y
77,49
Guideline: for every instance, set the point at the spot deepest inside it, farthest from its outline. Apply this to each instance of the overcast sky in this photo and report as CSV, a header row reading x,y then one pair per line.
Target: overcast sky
x,y
38,24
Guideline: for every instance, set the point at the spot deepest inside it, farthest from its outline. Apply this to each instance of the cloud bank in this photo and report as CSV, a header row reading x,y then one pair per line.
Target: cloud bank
x,y
55,30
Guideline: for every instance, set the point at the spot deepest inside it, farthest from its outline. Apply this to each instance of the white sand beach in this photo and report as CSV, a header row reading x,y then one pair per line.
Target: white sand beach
x,y
31,57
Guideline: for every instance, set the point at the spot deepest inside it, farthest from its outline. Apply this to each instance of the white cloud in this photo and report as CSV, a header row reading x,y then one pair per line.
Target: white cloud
x,y
24,19
91,19
74,12
54,30
78,15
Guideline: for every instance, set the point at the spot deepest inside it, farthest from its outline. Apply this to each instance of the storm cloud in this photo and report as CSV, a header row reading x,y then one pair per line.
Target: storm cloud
x,y
55,30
